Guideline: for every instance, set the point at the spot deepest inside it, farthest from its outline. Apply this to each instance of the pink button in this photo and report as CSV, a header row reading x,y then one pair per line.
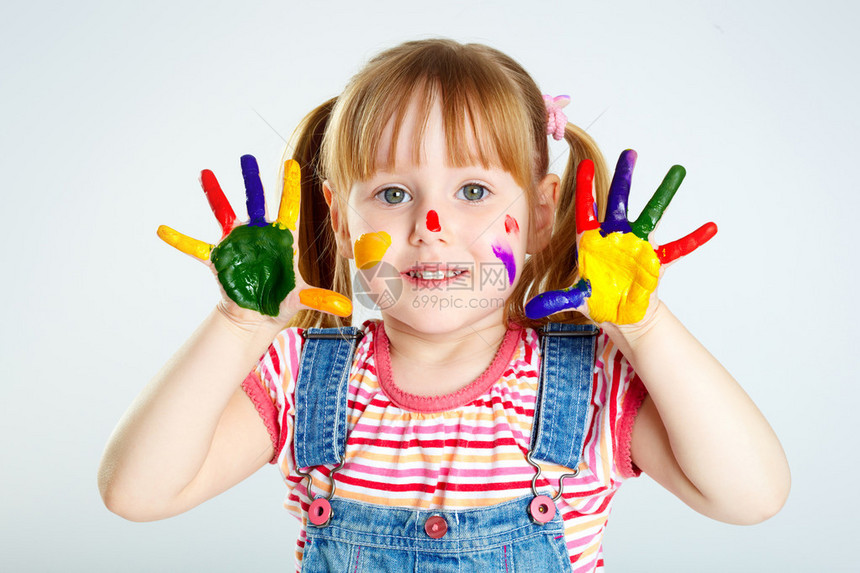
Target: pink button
x,y
542,509
435,526
320,511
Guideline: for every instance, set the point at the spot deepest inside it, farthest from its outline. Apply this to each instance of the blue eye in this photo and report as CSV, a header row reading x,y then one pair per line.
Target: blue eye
x,y
393,195
472,192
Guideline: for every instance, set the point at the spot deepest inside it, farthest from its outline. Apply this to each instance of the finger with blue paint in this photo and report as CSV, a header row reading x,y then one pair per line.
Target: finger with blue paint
x,y
619,193
255,197
553,301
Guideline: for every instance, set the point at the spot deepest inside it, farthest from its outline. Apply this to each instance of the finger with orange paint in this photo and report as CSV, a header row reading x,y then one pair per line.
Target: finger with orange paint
x,y
326,301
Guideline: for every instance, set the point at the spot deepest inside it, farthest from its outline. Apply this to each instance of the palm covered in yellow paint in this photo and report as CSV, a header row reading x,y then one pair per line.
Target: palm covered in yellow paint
x,y
618,265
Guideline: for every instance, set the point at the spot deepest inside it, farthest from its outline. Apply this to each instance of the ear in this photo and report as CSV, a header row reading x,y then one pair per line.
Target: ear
x,y
543,214
338,222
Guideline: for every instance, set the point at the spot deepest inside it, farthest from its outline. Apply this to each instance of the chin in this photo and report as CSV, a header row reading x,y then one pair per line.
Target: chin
x,y
431,318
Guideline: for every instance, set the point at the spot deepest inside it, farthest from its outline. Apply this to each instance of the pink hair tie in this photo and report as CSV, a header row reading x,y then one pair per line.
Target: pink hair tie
x,y
556,121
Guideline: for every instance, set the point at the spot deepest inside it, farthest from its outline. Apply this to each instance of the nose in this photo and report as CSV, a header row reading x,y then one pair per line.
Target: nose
x,y
429,227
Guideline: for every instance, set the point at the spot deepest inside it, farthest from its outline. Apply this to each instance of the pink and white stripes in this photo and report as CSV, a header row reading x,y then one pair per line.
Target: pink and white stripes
x,y
470,455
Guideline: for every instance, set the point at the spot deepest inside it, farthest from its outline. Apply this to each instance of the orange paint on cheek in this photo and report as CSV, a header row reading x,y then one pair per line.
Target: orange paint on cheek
x,y
369,249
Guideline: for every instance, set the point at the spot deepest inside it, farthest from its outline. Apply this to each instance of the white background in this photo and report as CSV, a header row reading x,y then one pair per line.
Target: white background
x,y
110,110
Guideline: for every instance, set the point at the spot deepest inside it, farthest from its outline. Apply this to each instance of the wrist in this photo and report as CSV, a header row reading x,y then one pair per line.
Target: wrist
x,y
630,336
244,322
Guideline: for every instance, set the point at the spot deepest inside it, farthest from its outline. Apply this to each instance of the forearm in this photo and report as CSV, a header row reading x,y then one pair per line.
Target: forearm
x,y
720,440
161,442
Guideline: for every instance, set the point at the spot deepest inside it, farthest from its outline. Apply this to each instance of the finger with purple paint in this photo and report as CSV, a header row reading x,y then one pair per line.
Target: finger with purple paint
x,y
551,302
619,193
255,197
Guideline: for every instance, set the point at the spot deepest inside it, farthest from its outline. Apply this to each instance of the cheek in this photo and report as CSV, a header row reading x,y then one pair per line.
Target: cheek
x,y
503,251
369,249
512,227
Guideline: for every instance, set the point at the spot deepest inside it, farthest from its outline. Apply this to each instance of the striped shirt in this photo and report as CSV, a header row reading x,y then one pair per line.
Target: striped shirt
x,y
402,451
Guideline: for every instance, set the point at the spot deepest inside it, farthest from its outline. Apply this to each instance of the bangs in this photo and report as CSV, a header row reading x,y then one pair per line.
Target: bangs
x,y
482,112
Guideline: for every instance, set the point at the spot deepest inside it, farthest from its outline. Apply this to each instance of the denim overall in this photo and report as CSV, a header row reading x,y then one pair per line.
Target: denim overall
x,y
522,535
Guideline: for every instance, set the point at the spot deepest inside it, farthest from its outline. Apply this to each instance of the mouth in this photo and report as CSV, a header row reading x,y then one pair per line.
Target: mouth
x,y
433,275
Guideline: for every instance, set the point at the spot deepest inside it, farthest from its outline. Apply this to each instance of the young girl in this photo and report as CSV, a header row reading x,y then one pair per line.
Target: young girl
x,y
466,430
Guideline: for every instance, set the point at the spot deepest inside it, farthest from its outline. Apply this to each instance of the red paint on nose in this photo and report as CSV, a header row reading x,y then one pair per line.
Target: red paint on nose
x,y
433,221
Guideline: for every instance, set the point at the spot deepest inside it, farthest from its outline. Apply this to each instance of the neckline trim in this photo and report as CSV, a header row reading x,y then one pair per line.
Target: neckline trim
x,y
434,404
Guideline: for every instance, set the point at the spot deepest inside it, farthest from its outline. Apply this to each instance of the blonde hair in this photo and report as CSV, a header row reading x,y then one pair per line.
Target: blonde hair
x,y
493,113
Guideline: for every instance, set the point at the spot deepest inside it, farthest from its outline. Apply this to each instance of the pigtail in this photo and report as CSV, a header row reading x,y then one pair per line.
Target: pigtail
x,y
318,263
555,267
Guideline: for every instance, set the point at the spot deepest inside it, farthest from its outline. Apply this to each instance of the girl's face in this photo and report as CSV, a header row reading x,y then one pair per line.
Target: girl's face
x,y
459,235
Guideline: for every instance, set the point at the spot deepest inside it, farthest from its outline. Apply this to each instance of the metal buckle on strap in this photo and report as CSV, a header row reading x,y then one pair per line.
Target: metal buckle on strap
x,y
320,512
561,479
332,336
544,332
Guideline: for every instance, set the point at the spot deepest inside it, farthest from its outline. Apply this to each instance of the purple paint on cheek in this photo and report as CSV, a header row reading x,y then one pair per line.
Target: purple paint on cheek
x,y
503,252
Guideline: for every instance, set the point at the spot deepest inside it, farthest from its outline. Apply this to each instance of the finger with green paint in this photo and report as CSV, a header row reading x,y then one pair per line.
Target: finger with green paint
x,y
255,262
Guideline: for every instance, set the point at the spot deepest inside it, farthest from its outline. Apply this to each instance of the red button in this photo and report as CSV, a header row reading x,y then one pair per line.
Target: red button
x,y
542,509
320,511
435,526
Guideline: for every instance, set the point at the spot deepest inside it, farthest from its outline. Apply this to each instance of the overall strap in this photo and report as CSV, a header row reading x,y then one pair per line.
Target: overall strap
x,y
564,392
321,390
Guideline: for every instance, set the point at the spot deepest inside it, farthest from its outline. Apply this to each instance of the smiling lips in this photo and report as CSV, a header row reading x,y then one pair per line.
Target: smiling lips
x,y
432,275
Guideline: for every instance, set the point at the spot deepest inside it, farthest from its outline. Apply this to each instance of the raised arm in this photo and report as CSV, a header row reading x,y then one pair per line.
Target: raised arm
x,y
697,433
192,433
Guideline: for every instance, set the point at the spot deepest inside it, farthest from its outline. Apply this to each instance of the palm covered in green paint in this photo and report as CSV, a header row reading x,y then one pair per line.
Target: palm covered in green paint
x,y
256,263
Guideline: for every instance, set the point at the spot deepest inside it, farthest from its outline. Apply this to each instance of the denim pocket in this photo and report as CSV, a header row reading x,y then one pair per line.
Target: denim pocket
x,y
337,556
323,555
543,553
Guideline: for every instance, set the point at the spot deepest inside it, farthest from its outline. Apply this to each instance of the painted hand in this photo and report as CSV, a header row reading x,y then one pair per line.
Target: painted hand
x,y
255,262
618,266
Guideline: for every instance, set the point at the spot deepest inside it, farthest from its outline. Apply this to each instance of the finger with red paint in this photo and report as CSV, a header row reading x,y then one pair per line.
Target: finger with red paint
x,y
219,204
687,244
586,215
